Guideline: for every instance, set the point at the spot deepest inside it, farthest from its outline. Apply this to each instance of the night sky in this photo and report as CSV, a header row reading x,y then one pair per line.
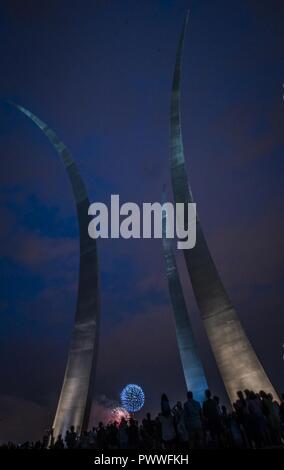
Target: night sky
x,y
99,73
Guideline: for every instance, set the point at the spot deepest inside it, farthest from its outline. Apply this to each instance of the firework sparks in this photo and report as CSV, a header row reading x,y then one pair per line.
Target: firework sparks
x,y
119,413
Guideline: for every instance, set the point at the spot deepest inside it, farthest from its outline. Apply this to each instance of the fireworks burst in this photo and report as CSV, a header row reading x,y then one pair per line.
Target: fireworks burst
x,y
132,398
119,413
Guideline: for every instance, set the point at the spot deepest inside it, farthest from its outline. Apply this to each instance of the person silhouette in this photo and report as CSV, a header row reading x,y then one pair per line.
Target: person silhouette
x,y
193,421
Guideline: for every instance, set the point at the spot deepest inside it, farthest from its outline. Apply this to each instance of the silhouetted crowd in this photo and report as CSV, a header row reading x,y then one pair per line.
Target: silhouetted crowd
x,y
257,421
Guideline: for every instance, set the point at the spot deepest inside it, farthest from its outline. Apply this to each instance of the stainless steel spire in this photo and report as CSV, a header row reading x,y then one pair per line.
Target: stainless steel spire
x,y
194,373
238,364
76,393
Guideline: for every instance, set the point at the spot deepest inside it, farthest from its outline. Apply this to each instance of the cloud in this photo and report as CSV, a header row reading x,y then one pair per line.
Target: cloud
x,y
33,250
250,132
22,420
251,253
102,410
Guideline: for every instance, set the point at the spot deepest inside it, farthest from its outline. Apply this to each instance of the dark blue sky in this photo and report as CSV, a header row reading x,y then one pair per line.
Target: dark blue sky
x,y
99,73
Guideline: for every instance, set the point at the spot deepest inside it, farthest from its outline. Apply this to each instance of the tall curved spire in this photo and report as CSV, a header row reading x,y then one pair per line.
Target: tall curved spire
x,y
76,393
193,370
235,357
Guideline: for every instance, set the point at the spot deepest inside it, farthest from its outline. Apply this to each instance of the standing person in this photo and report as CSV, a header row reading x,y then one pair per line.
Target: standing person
x,y
281,412
133,434
282,408
236,438
59,443
182,434
193,422
168,431
71,438
225,425
101,436
149,425
212,418
51,438
149,429
274,419
271,413
219,408
258,420
243,418
93,438
84,442
157,437
165,405
113,435
123,434
46,438
167,424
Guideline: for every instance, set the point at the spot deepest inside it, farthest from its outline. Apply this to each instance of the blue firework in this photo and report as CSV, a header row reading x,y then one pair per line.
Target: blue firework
x,y
132,398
